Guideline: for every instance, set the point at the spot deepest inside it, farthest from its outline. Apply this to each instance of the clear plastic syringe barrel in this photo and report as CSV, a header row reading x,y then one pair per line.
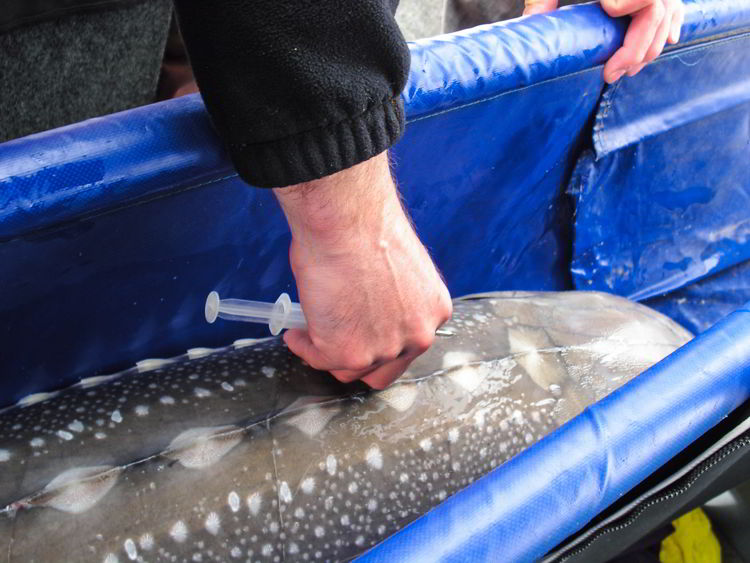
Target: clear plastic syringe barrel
x,y
280,315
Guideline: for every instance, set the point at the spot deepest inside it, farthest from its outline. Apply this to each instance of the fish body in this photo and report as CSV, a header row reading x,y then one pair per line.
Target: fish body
x,y
244,453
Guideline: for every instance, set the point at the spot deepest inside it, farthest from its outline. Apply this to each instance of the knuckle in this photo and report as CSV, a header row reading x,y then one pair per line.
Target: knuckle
x,y
422,340
344,376
614,8
355,361
447,312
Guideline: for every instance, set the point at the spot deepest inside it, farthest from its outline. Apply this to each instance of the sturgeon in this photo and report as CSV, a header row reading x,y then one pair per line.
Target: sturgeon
x,y
245,453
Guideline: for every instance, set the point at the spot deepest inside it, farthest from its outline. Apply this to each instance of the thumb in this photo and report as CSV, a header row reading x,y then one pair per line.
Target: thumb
x,y
539,6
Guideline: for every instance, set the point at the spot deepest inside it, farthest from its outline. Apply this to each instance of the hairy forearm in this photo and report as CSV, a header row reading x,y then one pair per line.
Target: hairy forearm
x,y
329,210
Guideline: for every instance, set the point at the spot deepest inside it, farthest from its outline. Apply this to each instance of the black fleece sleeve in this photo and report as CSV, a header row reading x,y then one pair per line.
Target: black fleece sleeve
x,y
298,89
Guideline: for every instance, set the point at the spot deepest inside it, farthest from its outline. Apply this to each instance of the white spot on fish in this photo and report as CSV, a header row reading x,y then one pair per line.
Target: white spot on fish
x,y
426,444
268,371
111,558
253,503
331,464
100,435
151,364
457,359
200,447
36,442
372,505
285,494
4,455
236,552
64,434
166,400
453,435
195,353
353,487
293,548
179,531
87,382
345,520
403,477
313,419
543,403
360,541
78,489
36,398
141,410
307,485
146,541
213,523
201,393
319,531
226,386
131,550
479,418
469,377
299,513
555,389
116,416
374,457
266,549
400,396
233,500
76,426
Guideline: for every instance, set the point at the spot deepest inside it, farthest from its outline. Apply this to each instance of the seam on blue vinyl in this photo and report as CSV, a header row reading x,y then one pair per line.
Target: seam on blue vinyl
x,y
500,95
601,145
672,51
125,204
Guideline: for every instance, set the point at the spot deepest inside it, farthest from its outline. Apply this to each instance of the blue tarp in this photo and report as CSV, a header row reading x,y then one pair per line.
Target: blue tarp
x,y
662,199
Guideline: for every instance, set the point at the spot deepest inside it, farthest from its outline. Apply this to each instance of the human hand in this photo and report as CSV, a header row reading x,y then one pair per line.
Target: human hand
x,y
653,24
369,290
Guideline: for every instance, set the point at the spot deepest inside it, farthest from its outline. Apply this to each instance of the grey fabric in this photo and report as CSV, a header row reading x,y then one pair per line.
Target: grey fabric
x,y
80,66
462,14
425,18
420,18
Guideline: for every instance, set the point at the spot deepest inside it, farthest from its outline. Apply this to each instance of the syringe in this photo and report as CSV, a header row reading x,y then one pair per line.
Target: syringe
x,y
278,316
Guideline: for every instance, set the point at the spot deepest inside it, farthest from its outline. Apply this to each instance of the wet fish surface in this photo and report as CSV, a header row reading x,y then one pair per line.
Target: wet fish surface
x,y
244,453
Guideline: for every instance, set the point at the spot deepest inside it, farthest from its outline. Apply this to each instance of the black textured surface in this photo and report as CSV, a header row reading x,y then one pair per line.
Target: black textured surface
x,y
298,89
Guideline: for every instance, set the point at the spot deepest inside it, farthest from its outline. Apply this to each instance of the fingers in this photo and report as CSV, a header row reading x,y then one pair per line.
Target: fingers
x,y
383,376
638,40
662,32
539,6
654,22
377,374
678,18
619,8
384,370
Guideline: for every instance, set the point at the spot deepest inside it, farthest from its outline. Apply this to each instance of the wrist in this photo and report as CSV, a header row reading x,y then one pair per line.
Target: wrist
x,y
340,210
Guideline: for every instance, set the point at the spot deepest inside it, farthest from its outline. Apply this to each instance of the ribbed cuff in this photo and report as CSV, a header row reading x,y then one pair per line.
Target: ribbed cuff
x,y
320,152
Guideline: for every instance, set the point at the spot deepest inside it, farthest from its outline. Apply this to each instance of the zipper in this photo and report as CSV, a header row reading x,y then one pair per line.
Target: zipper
x,y
672,492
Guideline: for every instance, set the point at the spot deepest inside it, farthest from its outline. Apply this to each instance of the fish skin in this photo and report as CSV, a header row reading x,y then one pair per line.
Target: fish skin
x,y
287,464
